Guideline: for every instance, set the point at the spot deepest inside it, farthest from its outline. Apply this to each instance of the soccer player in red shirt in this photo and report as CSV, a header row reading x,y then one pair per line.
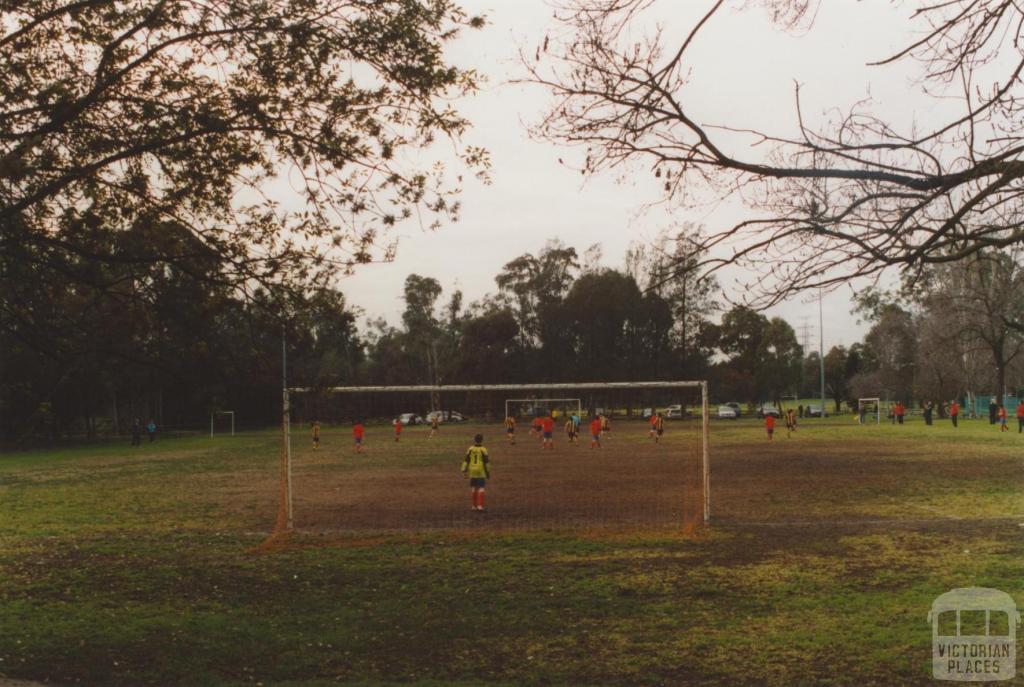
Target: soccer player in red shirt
x,y
535,427
595,432
398,428
357,434
1002,419
547,426
954,412
1020,417
769,425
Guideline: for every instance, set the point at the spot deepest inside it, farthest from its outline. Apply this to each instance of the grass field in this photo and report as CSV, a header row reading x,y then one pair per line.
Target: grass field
x,y
140,567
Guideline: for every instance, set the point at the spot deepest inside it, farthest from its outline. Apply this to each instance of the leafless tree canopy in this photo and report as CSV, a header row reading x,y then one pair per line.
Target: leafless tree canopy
x,y
846,198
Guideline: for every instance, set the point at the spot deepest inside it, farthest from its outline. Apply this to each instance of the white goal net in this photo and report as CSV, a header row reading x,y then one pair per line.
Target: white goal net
x,y
869,410
382,465
222,422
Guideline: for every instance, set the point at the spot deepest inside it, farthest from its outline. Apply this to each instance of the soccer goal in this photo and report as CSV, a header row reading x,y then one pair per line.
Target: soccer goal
x,y
406,475
869,406
532,407
224,420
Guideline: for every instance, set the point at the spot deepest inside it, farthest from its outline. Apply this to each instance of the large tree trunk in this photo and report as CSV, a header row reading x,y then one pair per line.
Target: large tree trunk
x,y
1000,380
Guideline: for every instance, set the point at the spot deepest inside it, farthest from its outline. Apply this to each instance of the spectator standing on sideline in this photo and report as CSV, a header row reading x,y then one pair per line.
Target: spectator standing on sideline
x,y
137,432
151,430
993,411
928,413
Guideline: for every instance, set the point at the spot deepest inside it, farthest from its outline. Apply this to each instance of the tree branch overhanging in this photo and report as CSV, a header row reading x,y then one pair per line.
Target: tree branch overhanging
x,y
848,198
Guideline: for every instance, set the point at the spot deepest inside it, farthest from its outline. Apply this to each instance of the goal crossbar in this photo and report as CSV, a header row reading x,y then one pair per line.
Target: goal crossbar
x,y
702,385
588,386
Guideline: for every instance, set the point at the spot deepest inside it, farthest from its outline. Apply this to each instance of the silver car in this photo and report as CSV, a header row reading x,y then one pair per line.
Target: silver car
x,y
726,413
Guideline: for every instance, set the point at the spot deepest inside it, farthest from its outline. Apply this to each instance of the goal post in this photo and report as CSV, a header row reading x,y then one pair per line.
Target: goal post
x,y
216,413
549,404
866,406
378,406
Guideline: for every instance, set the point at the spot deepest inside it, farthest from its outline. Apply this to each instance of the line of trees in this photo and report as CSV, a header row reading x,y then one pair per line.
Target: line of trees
x,y
555,319
956,330
90,365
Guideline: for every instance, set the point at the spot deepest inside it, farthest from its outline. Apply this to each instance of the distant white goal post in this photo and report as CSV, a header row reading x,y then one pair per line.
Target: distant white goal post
x,y
286,517
868,405
215,413
545,403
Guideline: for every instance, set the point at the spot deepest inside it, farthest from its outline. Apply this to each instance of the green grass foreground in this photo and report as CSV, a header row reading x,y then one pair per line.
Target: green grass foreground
x,y
127,568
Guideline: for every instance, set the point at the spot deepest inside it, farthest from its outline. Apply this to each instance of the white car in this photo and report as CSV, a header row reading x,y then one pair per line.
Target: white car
x,y
726,413
409,419
445,416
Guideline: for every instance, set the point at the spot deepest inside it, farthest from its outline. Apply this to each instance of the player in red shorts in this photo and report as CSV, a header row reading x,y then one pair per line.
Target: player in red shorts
x,y
398,428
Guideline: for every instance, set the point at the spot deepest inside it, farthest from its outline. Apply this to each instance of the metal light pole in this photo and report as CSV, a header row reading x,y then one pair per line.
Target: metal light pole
x,y
287,419
821,350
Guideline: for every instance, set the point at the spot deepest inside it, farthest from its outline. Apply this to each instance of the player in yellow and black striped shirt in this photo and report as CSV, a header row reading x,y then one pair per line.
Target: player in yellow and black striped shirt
x,y
658,426
571,430
510,429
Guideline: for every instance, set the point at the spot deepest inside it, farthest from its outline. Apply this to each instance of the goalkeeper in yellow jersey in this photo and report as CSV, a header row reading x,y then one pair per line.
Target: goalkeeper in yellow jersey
x,y
477,467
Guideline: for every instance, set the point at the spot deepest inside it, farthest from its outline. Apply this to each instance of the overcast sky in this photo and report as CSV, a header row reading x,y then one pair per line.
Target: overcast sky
x,y
744,69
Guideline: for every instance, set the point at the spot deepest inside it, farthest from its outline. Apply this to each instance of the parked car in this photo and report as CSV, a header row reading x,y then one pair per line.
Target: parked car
x,y
444,416
766,410
676,412
735,406
726,412
813,411
410,419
